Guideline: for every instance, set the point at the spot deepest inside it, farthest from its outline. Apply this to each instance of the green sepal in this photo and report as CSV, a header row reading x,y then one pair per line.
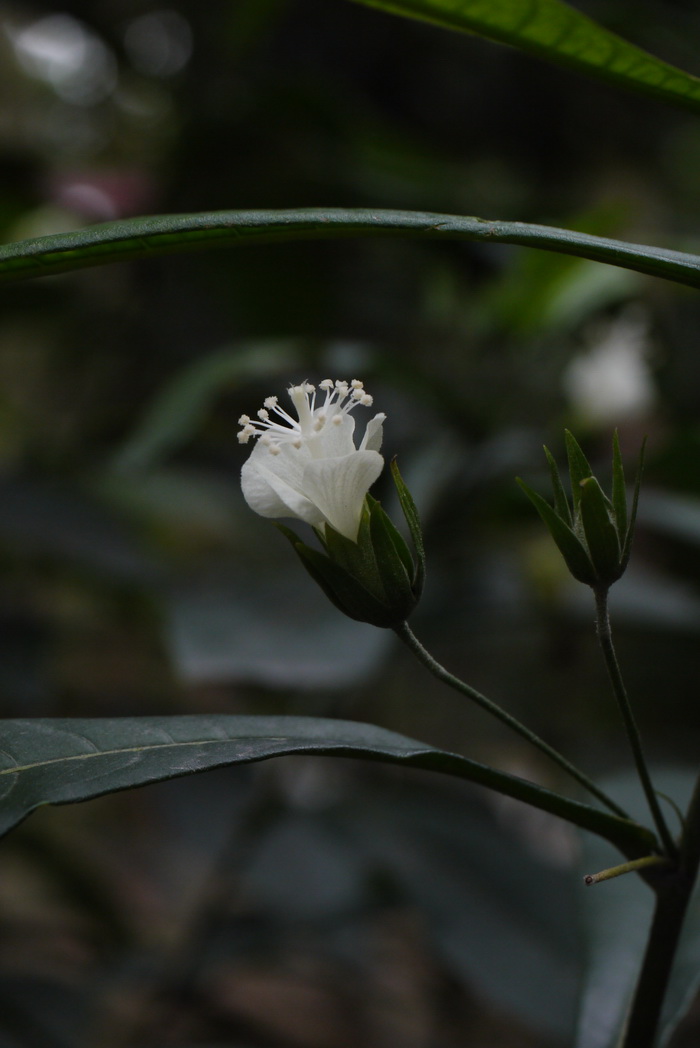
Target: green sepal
x,y
341,588
397,538
357,558
561,503
579,468
394,563
601,534
619,495
410,513
570,546
627,544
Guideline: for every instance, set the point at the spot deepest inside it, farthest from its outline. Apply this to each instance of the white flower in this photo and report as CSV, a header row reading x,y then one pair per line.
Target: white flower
x,y
310,468
613,381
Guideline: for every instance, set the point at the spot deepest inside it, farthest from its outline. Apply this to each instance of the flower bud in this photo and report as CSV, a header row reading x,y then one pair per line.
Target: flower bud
x,y
594,533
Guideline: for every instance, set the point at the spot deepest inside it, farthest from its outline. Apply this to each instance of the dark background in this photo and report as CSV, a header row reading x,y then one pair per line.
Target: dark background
x,y
310,903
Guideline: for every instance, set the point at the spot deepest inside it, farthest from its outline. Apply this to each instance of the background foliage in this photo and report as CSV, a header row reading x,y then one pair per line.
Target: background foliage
x,y
316,903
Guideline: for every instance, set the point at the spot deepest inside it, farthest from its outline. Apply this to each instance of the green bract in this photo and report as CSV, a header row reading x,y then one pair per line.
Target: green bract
x,y
375,579
594,534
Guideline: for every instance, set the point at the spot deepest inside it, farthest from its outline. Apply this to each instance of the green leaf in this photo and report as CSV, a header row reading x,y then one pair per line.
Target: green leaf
x,y
61,761
579,467
551,29
157,235
568,543
561,503
619,495
601,533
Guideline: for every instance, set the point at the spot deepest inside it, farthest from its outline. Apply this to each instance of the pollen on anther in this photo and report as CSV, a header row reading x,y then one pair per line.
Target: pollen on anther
x,y
356,383
244,420
263,414
270,402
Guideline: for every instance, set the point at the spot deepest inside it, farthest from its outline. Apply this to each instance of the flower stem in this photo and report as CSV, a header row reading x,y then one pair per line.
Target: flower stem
x,y
620,692
673,896
404,632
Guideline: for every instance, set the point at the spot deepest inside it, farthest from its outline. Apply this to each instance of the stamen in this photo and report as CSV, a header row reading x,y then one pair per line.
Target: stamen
x,y
341,398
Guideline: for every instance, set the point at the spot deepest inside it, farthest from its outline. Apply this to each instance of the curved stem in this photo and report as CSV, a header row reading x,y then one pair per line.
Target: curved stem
x,y
620,692
405,633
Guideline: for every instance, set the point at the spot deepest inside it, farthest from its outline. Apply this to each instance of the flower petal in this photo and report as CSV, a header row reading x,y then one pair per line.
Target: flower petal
x,y
270,494
337,486
335,439
372,440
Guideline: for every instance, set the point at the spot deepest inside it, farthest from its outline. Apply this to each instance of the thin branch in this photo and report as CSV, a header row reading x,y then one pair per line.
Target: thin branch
x,y
405,633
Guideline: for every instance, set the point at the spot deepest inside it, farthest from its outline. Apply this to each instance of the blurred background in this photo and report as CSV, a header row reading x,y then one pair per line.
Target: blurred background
x,y
311,903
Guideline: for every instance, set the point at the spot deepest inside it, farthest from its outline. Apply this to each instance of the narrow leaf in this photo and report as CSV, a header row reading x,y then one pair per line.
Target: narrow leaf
x,y
552,30
569,544
157,235
61,761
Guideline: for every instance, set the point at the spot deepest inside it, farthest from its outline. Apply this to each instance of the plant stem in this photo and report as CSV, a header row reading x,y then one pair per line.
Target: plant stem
x,y
405,633
620,692
673,896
